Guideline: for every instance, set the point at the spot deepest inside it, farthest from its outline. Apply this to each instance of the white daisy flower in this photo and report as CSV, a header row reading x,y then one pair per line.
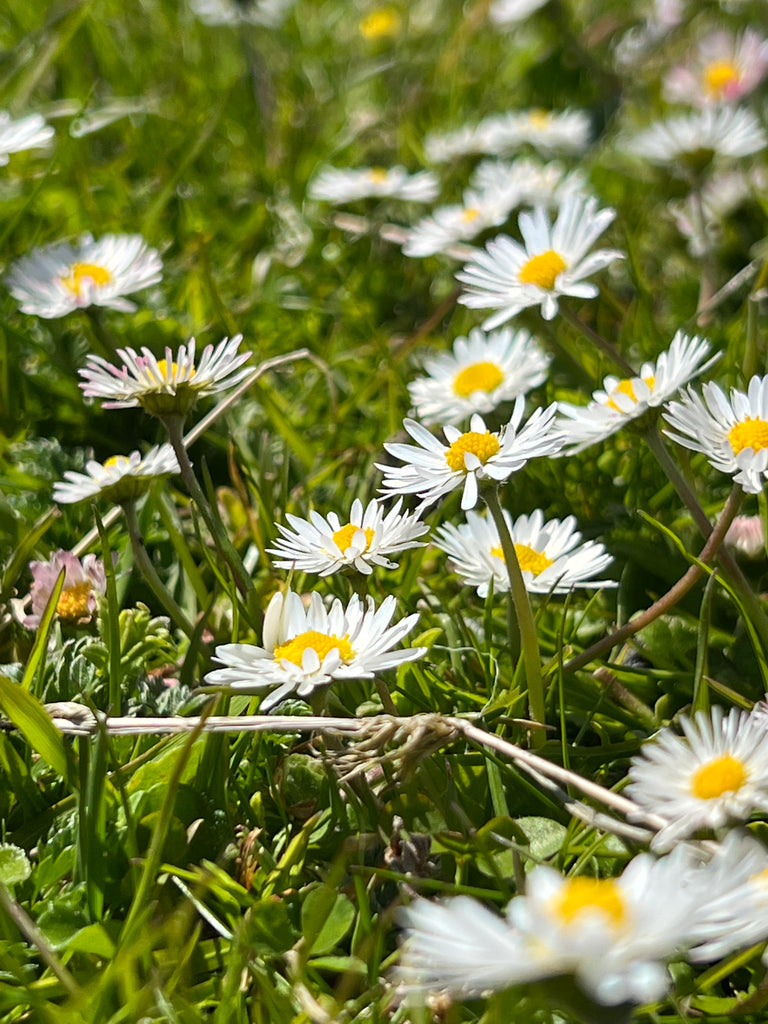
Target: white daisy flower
x,y
525,182
715,775
59,278
346,185
724,69
443,147
119,478
693,140
511,12
268,13
548,131
551,558
432,469
732,434
30,132
163,386
456,222
481,372
621,401
305,648
611,934
553,260
325,545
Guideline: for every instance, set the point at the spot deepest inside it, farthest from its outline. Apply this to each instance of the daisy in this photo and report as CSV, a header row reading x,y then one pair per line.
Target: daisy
x,y
621,401
83,581
690,141
746,536
725,69
325,545
305,648
716,774
30,132
553,260
456,223
432,469
548,131
168,385
700,219
268,13
611,934
347,185
732,434
525,182
59,278
481,372
510,12
120,478
551,558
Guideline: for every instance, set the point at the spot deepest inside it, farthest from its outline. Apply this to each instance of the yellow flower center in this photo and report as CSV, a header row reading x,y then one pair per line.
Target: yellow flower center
x,y
477,377
321,643
539,119
116,461
73,602
724,774
626,387
579,895
382,22
482,445
719,75
343,538
378,175
81,272
530,559
542,270
471,213
751,433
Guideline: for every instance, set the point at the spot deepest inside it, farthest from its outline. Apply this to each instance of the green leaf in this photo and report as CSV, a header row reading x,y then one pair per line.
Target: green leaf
x,y
326,918
31,719
14,865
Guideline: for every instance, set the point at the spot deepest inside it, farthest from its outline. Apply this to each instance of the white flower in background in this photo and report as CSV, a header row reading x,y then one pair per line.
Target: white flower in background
x,y
59,278
325,545
746,536
305,648
510,12
481,372
714,775
548,131
693,140
551,557
700,219
611,934
456,223
621,401
733,434
120,478
724,69
553,260
525,182
633,47
30,132
267,13
346,185
443,147
167,385
83,581
433,469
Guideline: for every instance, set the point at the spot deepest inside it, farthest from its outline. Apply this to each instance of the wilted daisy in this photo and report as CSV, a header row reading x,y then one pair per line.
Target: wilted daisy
x,y
700,218
305,648
714,775
510,12
120,478
723,69
552,261
83,581
457,222
551,557
525,182
481,372
621,401
326,544
168,385
432,468
337,185
688,142
746,536
57,279
30,132
732,434
611,934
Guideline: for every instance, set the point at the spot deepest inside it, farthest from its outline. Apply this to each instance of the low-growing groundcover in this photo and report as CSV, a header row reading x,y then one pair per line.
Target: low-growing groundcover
x,y
383,448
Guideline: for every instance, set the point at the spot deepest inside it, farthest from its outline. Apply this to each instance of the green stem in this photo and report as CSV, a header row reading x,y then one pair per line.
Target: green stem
x,y
526,623
144,563
175,427
597,339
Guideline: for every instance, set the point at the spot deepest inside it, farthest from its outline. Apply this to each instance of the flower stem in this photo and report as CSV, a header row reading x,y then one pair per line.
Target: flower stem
x,y
526,623
597,339
144,563
175,427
